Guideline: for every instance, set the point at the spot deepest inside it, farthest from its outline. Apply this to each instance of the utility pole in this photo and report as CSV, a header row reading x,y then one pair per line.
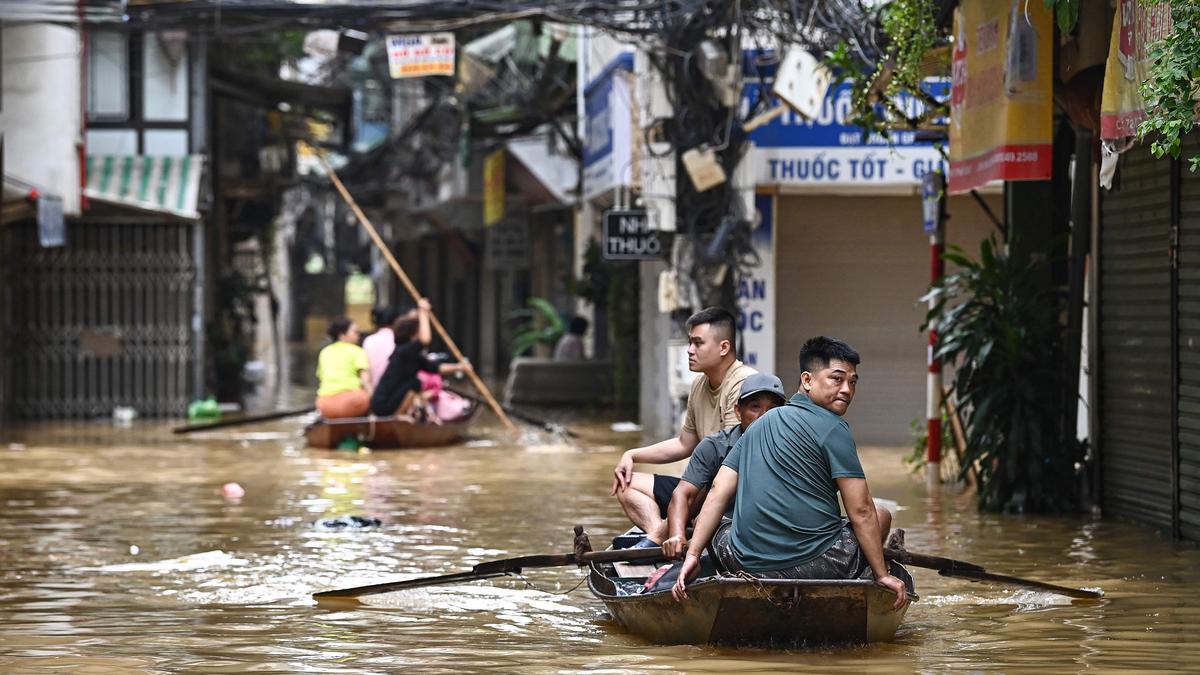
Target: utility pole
x,y
933,201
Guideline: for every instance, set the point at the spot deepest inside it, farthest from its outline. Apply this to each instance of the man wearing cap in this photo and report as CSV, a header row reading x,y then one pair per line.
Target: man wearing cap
x,y
760,393
787,473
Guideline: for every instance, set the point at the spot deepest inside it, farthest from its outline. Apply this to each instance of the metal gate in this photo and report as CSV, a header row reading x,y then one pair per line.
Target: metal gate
x,y
1136,387
1189,348
102,322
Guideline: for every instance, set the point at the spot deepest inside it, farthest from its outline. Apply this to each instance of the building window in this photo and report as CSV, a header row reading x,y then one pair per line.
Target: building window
x,y
139,93
108,76
165,76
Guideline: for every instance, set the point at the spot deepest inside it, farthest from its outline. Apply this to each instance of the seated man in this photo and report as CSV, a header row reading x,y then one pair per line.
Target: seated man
x,y
787,472
570,346
760,393
712,352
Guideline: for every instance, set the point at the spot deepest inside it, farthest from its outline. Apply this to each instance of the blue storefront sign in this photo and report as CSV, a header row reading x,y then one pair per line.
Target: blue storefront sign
x,y
755,293
830,151
608,146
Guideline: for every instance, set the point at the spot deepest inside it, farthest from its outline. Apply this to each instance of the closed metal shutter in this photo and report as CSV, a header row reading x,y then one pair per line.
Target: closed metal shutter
x,y
872,304
104,321
1135,342
1189,348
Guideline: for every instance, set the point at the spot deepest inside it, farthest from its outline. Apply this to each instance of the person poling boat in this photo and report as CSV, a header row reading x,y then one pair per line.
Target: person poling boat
x,y
400,389
712,352
787,472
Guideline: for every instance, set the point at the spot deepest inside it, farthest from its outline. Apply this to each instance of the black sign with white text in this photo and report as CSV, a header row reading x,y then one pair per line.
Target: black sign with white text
x,y
627,236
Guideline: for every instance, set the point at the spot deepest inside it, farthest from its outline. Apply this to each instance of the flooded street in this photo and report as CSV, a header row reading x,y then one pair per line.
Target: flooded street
x,y
120,554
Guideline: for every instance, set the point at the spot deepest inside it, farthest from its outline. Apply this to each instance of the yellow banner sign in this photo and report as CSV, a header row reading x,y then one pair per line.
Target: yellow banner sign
x,y
1135,28
1000,101
493,187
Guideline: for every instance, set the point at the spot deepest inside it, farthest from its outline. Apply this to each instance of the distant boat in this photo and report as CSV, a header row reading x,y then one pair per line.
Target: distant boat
x,y
738,611
390,432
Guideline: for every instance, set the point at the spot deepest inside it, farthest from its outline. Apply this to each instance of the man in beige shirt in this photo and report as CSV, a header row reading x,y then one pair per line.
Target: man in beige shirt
x,y
712,353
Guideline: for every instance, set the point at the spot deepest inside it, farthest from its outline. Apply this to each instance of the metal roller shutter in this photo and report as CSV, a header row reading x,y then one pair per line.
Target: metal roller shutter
x,y
104,321
1189,349
1135,343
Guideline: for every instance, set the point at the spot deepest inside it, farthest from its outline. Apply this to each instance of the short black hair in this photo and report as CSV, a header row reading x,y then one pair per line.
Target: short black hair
x,y
720,319
383,316
578,325
338,327
819,351
404,328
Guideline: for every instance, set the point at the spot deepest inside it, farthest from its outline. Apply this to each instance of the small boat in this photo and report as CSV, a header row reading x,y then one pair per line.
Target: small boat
x,y
390,432
724,609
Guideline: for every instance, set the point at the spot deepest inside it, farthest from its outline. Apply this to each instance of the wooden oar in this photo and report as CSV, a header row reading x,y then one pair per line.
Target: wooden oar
x,y
495,568
948,567
245,419
523,416
412,290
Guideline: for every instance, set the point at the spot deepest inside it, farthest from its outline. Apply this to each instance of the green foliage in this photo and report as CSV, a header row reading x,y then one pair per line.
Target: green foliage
x,y
597,276
996,322
909,24
1066,13
912,31
623,335
539,324
915,460
1173,83
230,335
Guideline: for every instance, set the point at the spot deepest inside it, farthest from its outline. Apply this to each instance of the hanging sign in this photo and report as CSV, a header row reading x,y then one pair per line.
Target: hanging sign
x,y
931,201
1000,101
493,187
50,222
420,55
627,236
1135,28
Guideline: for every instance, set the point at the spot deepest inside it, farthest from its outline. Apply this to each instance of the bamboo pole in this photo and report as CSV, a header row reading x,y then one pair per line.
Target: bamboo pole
x,y
408,284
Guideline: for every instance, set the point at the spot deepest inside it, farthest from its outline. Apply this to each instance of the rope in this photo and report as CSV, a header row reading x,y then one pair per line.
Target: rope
x,y
755,583
531,585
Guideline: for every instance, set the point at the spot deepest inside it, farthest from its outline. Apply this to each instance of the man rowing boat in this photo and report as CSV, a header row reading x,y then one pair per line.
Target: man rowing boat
x,y
787,471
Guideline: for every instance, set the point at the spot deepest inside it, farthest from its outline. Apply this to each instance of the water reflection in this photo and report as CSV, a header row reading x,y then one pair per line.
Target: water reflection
x,y
121,554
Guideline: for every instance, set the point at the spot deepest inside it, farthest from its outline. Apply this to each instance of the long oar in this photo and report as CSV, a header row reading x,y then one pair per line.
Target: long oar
x,y
523,416
948,567
245,419
495,568
408,284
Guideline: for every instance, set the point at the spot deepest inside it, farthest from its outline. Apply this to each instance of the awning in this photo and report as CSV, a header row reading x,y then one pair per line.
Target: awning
x,y
162,183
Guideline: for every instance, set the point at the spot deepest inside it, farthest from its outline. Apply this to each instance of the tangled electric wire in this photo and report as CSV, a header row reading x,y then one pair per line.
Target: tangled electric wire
x,y
669,31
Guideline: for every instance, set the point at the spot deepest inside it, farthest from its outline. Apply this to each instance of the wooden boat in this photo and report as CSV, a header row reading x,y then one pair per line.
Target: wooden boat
x,y
389,432
733,610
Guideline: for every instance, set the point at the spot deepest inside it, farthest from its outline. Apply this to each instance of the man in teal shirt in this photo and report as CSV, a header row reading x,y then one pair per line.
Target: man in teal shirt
x,y
787,471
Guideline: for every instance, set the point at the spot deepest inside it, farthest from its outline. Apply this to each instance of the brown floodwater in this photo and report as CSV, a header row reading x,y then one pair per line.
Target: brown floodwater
x,y
121,554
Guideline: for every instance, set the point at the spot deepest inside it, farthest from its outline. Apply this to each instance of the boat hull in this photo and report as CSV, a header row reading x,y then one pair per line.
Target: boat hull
x,y
388,432
733,610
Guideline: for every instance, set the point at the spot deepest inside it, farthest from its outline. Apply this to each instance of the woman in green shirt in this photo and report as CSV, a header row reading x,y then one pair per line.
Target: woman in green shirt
x,y
345,389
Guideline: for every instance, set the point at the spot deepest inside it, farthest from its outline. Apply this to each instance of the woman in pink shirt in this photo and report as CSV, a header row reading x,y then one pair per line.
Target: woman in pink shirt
x,y
380,344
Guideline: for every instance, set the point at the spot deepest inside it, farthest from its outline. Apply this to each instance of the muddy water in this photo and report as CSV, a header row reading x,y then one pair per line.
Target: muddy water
x,y
119,553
